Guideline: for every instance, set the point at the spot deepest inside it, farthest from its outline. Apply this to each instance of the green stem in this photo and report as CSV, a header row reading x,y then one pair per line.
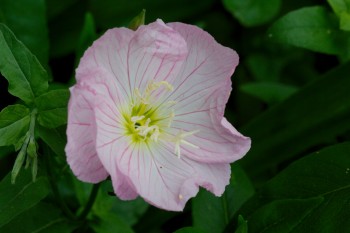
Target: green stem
x,y
54,187
224,206
90,202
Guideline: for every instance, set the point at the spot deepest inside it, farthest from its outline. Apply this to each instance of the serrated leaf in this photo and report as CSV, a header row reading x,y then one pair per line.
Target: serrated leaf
x,y
27,78
311,28
42,218
253,12
27,20
282,216
317,113
14,123
16,198
223,208
52,108
269,92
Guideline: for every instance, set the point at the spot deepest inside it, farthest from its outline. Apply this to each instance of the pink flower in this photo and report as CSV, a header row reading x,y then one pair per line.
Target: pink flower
x,y
148,109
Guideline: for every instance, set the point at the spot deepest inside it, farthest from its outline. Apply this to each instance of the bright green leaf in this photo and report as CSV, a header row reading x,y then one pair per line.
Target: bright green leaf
x,y
269,92
14,123
42,218
317,113
52,108
253,12
312,28
27,20
282,216
27,78
222,208
189,230
18,197
340,6
345,21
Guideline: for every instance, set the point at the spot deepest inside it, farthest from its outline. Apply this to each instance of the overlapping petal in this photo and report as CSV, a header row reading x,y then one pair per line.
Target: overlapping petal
x,y
123,62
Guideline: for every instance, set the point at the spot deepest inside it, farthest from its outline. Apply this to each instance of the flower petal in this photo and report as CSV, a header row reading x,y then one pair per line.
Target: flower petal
x,y
166,181
81,132
154,52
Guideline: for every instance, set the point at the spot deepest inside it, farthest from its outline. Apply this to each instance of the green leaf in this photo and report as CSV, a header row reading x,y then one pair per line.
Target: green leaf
x,y
87,36
345,21
129,212
317,113
171,10
189,230
222,208
242,225
27,78
253,12
323,174
340,6
5,151
52,108
110,222
282,216
139,20
27,19
42,218
269,92
54,138
16,198
14,123
312,28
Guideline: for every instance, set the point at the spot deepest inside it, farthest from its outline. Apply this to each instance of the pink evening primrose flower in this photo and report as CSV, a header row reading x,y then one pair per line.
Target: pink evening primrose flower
x,y
147,110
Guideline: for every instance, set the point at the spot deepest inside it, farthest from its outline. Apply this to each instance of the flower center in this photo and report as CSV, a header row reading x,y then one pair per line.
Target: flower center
x,y
147,119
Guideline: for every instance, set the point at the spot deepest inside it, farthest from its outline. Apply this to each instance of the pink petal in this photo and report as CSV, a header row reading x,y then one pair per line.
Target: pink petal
x,y
154,51
166,181
81,132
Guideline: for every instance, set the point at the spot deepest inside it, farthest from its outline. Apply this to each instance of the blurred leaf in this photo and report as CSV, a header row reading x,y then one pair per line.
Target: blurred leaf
x,y
222,208
282,216
112,13
27,20
27,78
64,30
340,6
316,114
14,123
264,68
128,211
110,222
139,20
312,28
5,151
189,230
253,12
87,36
56,7
242,225
345,21
54,138
323,174
42,218
52,108
16,198
270,93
